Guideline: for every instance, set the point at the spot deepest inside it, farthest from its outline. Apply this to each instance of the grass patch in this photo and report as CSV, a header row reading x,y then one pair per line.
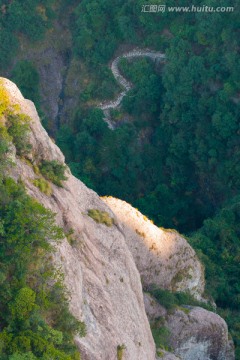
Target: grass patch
x,y
160,353
101,217
70,238
172,300
161,335
36,170
53,171
43,185
120,351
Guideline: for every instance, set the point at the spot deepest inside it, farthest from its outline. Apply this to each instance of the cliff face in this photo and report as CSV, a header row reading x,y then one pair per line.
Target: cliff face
x,y
163,257
101,275
102,264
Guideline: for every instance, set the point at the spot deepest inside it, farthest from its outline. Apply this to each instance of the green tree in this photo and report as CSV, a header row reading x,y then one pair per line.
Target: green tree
x,y
26,77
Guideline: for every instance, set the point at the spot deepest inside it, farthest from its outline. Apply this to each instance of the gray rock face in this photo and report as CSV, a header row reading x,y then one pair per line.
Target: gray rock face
x,y
199,334
100,271
51,76
153,309
195,333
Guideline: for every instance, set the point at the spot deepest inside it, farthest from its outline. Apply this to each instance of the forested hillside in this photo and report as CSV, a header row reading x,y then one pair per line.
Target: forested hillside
x,y
177,159
175,151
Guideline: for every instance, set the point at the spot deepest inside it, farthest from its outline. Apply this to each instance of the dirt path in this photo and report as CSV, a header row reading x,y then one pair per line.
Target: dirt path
x,y
108,105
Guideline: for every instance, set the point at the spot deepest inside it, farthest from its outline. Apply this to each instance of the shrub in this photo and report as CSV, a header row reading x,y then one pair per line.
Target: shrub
x,y
26,356
70,238
16,125
43,185
161,335
53,171
120,350
4,100
23,304
26,77
172,300
101,217
165,298
36,170
160,353
18,129
4,148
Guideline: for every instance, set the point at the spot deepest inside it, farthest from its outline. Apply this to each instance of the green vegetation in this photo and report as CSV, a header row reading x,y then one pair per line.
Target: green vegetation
x,y
171,300
43,185
26,77
53,171
161,335
18,129
220,237
34,316
30,19
4,101
162,151
160,353
14,126
70,238
101,217
4,148
120,351
35,322
218,247
144,100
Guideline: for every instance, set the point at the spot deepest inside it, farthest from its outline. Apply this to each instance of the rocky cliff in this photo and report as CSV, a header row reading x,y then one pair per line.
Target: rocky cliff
x,y
104,265
163,257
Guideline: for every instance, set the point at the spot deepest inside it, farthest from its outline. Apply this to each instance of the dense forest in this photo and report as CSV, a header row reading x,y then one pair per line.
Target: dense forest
x,y
175,151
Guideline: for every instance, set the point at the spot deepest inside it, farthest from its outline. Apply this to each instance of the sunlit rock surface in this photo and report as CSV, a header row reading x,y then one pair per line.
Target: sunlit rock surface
x,y
163,257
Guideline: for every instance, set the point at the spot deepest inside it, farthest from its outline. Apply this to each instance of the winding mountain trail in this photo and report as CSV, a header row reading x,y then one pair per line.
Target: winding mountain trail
x,y
108,105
